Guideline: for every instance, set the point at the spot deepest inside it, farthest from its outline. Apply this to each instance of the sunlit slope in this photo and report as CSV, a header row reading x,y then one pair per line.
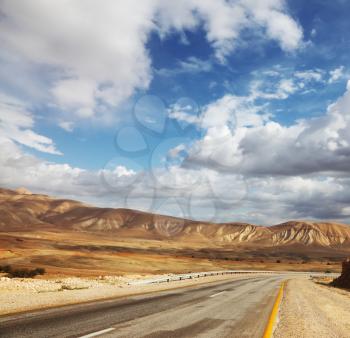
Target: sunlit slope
x,y
21,210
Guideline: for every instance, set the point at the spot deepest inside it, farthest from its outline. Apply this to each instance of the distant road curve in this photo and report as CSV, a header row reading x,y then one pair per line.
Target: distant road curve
x,y
237,308
193,275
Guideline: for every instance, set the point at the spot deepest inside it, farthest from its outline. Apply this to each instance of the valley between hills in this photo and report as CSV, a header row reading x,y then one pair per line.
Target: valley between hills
x,y
67,237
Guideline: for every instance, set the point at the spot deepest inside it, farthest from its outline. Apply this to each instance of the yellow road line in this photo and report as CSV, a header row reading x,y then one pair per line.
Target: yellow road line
x,y
273,315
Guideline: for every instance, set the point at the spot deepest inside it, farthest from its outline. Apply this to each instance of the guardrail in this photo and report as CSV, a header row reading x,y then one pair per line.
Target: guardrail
x,y
172,278
193,275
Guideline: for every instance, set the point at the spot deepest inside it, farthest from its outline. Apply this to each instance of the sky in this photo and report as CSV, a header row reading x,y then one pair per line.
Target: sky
x,y
205,109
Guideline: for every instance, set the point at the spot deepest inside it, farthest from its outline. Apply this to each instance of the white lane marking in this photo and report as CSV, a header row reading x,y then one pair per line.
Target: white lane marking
x,y
217,294
97,333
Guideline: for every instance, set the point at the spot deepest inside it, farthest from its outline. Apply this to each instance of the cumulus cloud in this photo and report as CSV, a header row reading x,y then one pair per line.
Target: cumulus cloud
x,y
268,148
233,111
16,124
97,52
114,185
226,19
295,171
22,169
97,55
277,199
77,95
279,26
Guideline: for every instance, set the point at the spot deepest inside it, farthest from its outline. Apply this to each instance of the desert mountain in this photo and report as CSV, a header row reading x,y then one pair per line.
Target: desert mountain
x,y
23,211
23,191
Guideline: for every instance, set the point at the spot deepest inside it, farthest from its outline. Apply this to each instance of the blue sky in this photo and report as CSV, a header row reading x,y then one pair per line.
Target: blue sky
x,y
217,110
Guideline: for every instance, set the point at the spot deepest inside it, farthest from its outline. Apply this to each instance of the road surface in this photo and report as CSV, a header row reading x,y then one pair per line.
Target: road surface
x,y
234,308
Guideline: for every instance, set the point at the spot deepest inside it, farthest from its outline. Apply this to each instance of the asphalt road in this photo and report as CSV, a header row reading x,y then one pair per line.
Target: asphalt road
x,y
237,308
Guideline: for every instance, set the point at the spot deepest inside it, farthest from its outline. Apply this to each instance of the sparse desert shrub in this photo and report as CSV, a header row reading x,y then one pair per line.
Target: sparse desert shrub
x,y
278,261
24,273
328,271
5,268
40,271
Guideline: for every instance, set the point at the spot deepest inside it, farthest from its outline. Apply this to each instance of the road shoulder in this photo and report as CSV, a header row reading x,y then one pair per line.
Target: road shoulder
x,y
313,310
26,297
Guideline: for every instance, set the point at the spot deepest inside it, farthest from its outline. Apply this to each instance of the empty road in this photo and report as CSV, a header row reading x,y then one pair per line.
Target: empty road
x,y
237,308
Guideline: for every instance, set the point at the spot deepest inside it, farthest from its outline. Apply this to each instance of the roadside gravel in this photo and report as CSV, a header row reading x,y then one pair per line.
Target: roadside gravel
x,y
17,294
311,310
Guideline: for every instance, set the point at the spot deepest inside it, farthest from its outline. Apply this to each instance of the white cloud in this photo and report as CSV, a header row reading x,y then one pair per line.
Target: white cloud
x,y
190,65
180,115
176,151
17,122
121,171
230,110
316,145
96,53
193,65
279,83
336,74
233,111
66,125
21,169
282,90
310,75
279,26
76,95
226,19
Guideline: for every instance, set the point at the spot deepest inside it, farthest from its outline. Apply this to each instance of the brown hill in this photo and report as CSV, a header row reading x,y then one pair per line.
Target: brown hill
x,y
30,212
311,233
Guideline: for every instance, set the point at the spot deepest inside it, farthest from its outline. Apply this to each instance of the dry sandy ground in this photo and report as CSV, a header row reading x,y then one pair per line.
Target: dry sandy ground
x,y
311,310
92,255
17,295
